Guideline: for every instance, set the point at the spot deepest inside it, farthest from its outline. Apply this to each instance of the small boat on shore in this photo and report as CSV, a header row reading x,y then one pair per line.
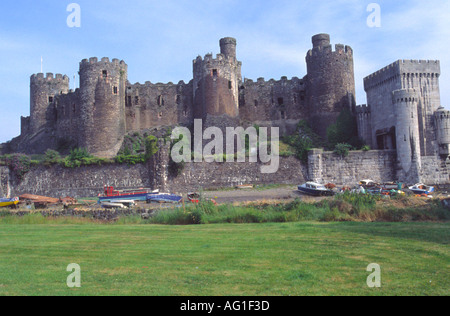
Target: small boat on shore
x,y
314,189
4,202
163,198
194,197
245,186
421,188
368,184
112,195
109,205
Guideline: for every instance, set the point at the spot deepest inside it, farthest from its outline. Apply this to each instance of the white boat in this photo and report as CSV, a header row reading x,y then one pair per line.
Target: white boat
x,y
315,189
421,188
109,205
127,203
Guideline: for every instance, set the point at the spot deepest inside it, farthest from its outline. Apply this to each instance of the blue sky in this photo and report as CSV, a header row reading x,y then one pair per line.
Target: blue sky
x,y
159,39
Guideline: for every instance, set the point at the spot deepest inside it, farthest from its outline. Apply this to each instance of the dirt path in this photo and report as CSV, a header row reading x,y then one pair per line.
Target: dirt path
x,y
251,195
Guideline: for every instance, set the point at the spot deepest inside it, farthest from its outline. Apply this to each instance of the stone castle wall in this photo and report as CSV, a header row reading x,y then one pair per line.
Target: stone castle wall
x,y
327,167
152,105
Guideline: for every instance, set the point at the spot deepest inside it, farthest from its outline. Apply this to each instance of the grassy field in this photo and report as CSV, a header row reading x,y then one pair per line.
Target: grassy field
x,y
225,259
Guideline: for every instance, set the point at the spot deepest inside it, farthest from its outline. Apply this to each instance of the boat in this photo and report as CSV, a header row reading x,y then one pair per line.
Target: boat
x,y
421,188
109,205
4,202
245,186
392,186
111,195
194,197
368,183
163,198
127,203
314,189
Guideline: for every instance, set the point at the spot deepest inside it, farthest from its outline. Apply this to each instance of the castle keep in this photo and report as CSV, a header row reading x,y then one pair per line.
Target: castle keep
x,y
403,112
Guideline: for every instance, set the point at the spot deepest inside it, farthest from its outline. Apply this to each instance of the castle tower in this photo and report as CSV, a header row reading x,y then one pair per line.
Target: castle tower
x,y
216,82
102,108
43,91
364,121
330,82
405,103
442,123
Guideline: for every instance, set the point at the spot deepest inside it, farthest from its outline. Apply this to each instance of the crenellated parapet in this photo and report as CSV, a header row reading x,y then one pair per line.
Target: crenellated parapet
x,y
403,69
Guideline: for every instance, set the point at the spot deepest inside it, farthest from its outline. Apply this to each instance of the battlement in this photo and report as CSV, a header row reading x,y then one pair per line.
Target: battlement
x,y
404,96
408,68
442,114
104,60
37,78
363,109
284,79
339,49
138,85
209,59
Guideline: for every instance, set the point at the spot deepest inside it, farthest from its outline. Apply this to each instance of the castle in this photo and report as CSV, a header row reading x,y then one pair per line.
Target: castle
x,y
403,110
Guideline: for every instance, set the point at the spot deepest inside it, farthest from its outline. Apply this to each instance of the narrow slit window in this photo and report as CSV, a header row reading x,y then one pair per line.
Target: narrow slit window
x,y
105,74
214,73
116,91
230,85
50,99
160,100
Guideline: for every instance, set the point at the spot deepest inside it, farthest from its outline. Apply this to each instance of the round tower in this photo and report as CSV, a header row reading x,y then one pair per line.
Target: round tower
x,y
102,108
330,82
228,47
43,90
216,82
405,103
442,123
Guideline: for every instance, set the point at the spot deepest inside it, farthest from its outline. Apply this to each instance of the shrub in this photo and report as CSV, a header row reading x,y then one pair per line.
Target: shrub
x,y
52,157
342,150
151,146
20,164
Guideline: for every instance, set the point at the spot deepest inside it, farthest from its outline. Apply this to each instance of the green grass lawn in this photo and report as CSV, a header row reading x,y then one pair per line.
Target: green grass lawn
x,y
226,259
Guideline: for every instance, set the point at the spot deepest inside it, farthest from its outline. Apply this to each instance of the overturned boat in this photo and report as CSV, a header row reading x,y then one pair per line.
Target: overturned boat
x,y
315,189
4,202
421,188
163,198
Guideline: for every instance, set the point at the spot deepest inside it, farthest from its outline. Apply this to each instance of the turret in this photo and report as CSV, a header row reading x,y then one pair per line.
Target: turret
x,y
442,123
43,90
330,82
216,82
102,108
405,103
228,47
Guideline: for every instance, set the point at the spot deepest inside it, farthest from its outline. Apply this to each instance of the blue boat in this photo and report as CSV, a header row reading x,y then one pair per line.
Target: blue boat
x,y
164,198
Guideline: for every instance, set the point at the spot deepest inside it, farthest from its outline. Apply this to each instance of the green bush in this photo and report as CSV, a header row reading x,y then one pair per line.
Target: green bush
x,y
151,146
342,150
130,159
52,157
